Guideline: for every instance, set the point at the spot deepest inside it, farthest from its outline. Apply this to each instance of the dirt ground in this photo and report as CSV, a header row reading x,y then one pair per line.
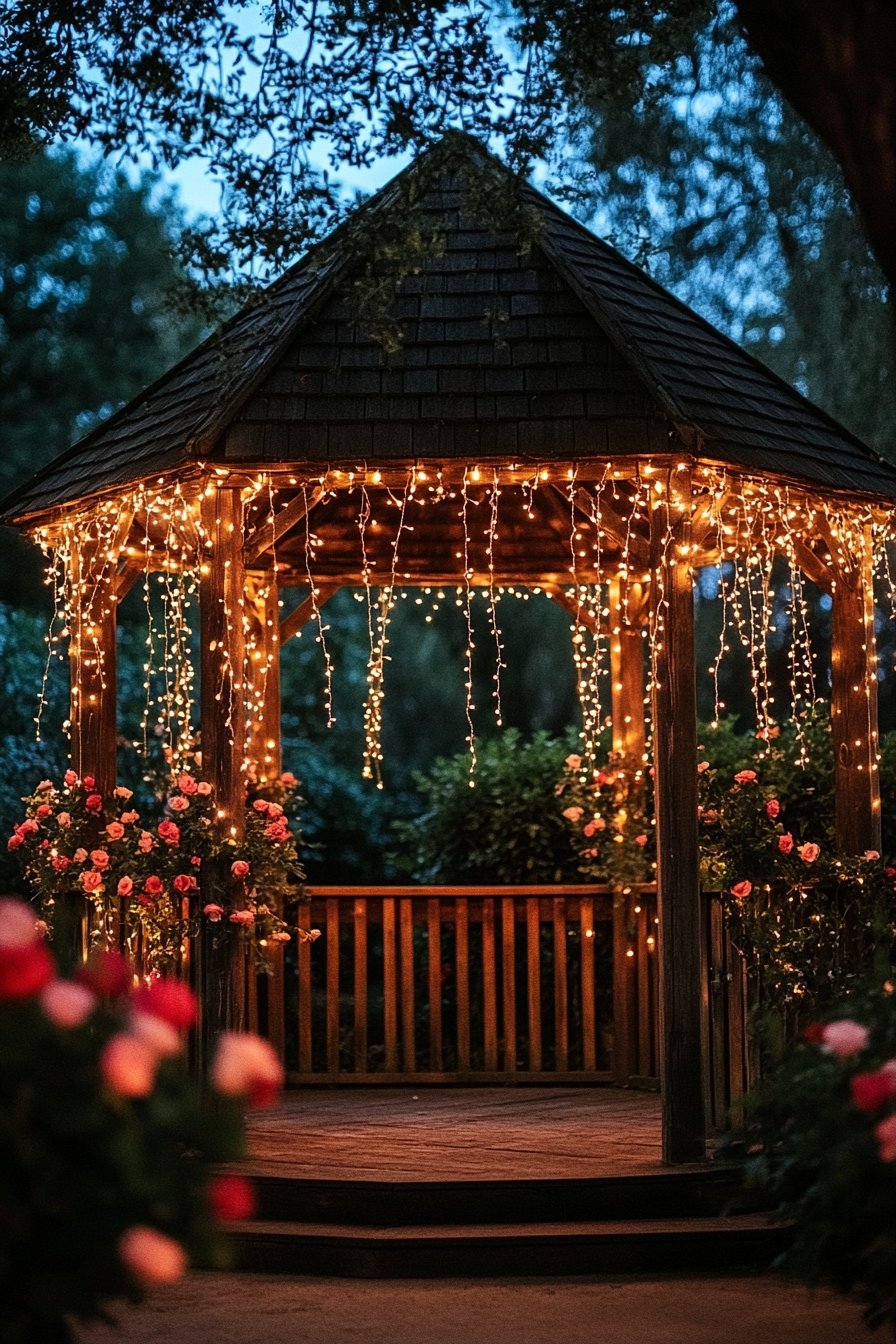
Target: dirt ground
x,y
260,1309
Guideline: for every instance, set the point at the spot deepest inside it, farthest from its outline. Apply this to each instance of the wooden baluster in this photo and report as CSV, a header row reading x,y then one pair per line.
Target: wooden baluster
x,y
586,943
251,973
276,989
390,988
360,1005
332,987
409,1047
625,994
645,1033
533,980
434,966
462,972
303,957
561,1006
489,987
508,981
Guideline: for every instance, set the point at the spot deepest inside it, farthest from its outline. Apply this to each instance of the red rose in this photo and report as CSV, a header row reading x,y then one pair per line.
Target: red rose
x,y
171,1000
44,810
15,841
231,1198
871,1090
94,803
169,832
89,783
106,972
184,883
813,1034
772,809
785,842
154,885
25,970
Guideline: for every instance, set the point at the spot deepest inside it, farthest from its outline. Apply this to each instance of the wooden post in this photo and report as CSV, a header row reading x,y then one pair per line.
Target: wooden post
x,y
263,677
222,586
682,991
854,705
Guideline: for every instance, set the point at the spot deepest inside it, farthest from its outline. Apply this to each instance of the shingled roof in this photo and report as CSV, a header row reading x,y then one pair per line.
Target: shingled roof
x,y
562,350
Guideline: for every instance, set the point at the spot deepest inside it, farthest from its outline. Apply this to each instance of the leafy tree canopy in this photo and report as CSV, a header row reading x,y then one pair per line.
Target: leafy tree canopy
x,y
265,95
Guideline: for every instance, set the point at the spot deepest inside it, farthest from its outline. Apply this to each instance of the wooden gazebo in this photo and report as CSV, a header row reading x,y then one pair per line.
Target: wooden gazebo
x,y
551,417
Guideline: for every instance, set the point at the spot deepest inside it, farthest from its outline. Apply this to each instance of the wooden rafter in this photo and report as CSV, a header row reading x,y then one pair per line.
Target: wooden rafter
x,y
272,530
291,625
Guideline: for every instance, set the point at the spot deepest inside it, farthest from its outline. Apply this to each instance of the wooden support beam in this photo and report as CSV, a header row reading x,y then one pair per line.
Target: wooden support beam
x,y
627,602
854,726
268,533
222,586
291,625
263,677
615,526
682,983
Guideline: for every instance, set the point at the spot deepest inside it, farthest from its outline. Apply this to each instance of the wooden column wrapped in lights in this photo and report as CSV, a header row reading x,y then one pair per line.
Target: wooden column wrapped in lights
x,y
262,626
222,585
94,584
682,982
854,697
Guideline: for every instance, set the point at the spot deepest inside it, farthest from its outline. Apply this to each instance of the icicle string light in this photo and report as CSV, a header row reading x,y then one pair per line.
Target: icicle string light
x,y
468,617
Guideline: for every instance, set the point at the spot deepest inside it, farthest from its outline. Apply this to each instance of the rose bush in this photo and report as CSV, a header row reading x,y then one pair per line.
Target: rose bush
x,y
823,1135
109,1147
142,873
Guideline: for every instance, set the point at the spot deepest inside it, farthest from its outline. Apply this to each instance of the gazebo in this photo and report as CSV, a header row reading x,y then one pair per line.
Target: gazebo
x,y
549,416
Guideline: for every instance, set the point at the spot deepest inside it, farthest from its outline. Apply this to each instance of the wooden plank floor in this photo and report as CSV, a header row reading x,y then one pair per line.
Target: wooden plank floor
x,y
462,1134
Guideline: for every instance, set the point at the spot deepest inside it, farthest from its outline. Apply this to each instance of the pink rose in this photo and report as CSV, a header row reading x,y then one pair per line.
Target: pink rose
x,y
67,1004
100,859
844,1038
125,886
128,1066
745,777
274,811
196,861
91,881
289,781
702,766
261,805
246,1066
179,804
772,809
152,1259
70,778
239,868
203,788
573,814
94,803
785,842
169,832
885,1133
115,830
242,917
573,762
871,855
79,856
145,843
742,890
158,1036
276,831
64,820
18,925
46,785
808,853
213,912
183,883
187,784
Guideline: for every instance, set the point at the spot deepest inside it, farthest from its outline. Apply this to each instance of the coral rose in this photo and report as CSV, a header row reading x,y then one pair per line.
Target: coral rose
x,y
808,853
99,858
772,809
91,881
203,788
70,778
169,832
246,1066
785,842
187,784
183,883
213,912
179,804
158,1036
573,814
128,1065
125,886
115,830
152,1259
244,918
239,868
745,777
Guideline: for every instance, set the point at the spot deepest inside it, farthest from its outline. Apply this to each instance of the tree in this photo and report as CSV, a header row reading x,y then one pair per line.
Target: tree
x,y
353,80
85,267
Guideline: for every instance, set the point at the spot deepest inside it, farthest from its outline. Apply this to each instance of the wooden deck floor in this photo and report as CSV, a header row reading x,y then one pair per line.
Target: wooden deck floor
x,y
462,1134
